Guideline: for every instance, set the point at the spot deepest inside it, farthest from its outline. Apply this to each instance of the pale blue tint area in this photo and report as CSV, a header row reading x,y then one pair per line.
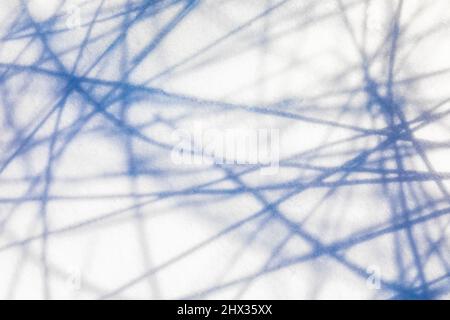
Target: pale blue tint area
x,y
96,204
